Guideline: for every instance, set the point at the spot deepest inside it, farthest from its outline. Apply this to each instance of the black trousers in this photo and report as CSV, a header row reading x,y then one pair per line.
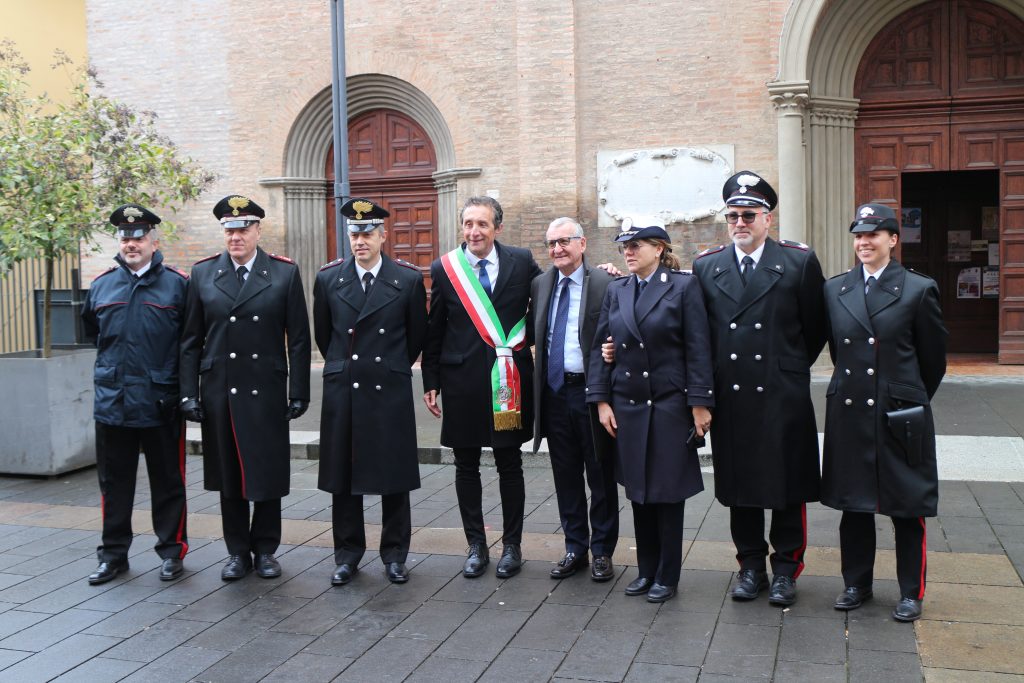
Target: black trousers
x,y
261,535
509,462
788,535
117,465
566,422
659,540
857,546
350,533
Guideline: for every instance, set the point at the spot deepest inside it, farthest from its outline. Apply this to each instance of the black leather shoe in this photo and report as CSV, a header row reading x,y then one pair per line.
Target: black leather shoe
x,y
907,609
107,571
603,569
343,573
396,571
476,561
660,593
236,568
852,598
639,586
510,563
267,566
783,592
171,569
568,565
749,583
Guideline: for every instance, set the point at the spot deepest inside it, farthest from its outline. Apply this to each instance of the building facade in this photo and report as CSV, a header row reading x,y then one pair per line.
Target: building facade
x,y
597,109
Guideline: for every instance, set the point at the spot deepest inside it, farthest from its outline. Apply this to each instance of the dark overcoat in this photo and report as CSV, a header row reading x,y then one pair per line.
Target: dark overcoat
x,y
245,352
369,343
662,368
595,283
889,351
136,323
457,362
765,337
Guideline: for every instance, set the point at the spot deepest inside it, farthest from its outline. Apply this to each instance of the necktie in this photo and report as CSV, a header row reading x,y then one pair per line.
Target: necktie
x,y
748,266
367,282
556,353
240,273
870,284
485,280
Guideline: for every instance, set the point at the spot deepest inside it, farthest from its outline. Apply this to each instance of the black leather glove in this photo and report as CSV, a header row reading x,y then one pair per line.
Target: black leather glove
x,y
192,410
296,408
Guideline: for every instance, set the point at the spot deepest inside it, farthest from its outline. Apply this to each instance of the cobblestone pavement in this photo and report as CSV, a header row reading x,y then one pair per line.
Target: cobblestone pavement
x,y
441,626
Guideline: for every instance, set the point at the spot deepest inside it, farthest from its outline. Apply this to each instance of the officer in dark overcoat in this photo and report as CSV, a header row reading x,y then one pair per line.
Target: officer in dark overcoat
x,y
888,344
134,313
369,321
658,389
245,359
764,300
460,365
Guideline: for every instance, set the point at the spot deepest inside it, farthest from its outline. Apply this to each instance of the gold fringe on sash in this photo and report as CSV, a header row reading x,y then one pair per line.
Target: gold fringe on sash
x,y
507,420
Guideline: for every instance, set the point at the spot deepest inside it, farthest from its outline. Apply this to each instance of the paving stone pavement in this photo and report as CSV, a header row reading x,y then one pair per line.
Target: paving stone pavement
x,y
441,626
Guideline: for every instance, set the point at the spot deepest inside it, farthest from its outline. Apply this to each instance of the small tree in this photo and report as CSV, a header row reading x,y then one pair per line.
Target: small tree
x,y
65,165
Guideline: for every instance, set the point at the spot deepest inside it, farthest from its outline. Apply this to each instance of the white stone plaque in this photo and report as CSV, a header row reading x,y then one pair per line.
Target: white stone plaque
x,y
676,184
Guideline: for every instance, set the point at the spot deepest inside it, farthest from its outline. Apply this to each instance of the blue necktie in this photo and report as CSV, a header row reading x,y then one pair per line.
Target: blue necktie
x,y
556,354
485,280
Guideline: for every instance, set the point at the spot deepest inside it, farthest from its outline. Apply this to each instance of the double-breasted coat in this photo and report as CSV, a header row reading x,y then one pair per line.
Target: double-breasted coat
x,y
245,351
662,368
457,362
889,350
369,343
765,337
595,284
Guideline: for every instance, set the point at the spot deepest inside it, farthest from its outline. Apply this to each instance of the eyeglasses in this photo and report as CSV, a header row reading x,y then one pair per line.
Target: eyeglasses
x,y
562,242
748,217
631,245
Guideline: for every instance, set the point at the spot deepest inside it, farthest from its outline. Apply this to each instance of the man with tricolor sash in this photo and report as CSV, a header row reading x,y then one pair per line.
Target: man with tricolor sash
x,y
477,356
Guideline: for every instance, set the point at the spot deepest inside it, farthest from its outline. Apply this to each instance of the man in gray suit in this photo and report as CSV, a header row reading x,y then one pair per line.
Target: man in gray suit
x,y
566,303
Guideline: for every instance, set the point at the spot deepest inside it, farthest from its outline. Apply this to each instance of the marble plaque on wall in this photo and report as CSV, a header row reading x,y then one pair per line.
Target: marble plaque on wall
x,y
676,184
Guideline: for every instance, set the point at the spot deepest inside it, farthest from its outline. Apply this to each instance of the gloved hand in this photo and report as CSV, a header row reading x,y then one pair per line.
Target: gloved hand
x,y
296,408
192,410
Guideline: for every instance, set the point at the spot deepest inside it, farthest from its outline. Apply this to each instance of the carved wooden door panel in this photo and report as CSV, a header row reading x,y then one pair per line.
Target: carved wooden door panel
x,y
1011,246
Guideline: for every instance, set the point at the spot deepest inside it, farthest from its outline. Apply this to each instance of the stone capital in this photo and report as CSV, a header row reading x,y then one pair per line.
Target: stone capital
x,y
790,98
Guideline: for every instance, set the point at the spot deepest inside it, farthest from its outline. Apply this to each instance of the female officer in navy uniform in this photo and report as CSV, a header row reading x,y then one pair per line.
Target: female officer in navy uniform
x,y
649,398
888,344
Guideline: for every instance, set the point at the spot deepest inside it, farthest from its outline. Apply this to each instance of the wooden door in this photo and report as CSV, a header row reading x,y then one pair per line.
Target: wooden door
x,y
391,162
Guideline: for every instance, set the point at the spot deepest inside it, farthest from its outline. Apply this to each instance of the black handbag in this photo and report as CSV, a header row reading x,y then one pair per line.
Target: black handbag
x,y
907,426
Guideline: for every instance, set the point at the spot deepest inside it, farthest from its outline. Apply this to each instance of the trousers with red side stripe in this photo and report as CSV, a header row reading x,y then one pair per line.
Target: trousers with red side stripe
x,y
117,464
857,543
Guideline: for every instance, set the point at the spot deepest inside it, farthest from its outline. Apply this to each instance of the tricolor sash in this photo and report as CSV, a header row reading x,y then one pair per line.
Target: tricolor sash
x,y
506,393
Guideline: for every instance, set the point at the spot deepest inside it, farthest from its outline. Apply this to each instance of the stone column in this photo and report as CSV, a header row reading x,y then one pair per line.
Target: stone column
x,y
447,184
833,171
790,99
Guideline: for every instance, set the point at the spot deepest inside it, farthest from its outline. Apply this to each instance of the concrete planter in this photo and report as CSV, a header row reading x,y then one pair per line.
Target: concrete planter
x,y
46,424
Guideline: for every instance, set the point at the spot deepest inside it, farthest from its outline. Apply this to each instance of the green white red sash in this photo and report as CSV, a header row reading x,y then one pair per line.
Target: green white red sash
x,y
506,392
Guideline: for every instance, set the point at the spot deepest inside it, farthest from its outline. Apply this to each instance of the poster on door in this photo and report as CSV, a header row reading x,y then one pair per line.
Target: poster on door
x,y
990,282
968,283
958,246
910,225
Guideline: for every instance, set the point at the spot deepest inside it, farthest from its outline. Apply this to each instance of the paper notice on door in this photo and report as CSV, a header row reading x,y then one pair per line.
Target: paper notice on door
x,y
990,282
993,253
958,245
968,283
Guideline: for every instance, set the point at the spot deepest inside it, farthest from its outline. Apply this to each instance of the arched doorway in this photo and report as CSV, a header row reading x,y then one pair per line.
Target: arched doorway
x,y
392,162
940,135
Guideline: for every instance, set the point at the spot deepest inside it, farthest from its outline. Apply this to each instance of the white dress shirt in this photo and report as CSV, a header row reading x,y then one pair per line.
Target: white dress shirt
x,y
573,355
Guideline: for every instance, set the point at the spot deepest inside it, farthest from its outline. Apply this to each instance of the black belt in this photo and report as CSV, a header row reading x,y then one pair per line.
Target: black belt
x,y
574,378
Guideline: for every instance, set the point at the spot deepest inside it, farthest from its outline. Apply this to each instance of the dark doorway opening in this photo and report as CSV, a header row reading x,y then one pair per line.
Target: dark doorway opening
x,y
957,212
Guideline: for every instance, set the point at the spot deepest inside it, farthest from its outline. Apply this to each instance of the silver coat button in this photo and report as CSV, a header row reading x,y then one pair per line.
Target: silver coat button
x,y
255,318
627,374
757,326
646,374
732,356
735,387
355,356
231,355
255,392
255,356
350,330
380,331
760,389
233,390
871,340
650,403
732,326
871,401
757,357
377,359
623,344
632,402
846,341
847,371
355,385
641,345
710,391
232,319
848,402
871,371
378,387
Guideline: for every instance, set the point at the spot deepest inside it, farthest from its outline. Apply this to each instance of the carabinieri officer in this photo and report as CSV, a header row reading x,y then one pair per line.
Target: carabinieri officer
x,y
888,344
245,357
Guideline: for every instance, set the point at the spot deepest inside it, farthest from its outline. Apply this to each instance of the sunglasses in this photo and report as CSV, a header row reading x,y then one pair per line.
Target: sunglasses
x,y
748,217
562,242
631,245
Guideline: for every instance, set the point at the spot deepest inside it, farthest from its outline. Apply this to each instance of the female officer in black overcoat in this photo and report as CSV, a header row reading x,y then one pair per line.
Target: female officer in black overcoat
x,y
657,389
888,344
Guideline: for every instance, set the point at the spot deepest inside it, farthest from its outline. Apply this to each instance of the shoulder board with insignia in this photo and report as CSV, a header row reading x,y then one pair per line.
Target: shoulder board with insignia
x,y
919,273
624,277
842,274
795,245
108,271
682,271
331,264
406,264
179,271
208,258
281,258
710,250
